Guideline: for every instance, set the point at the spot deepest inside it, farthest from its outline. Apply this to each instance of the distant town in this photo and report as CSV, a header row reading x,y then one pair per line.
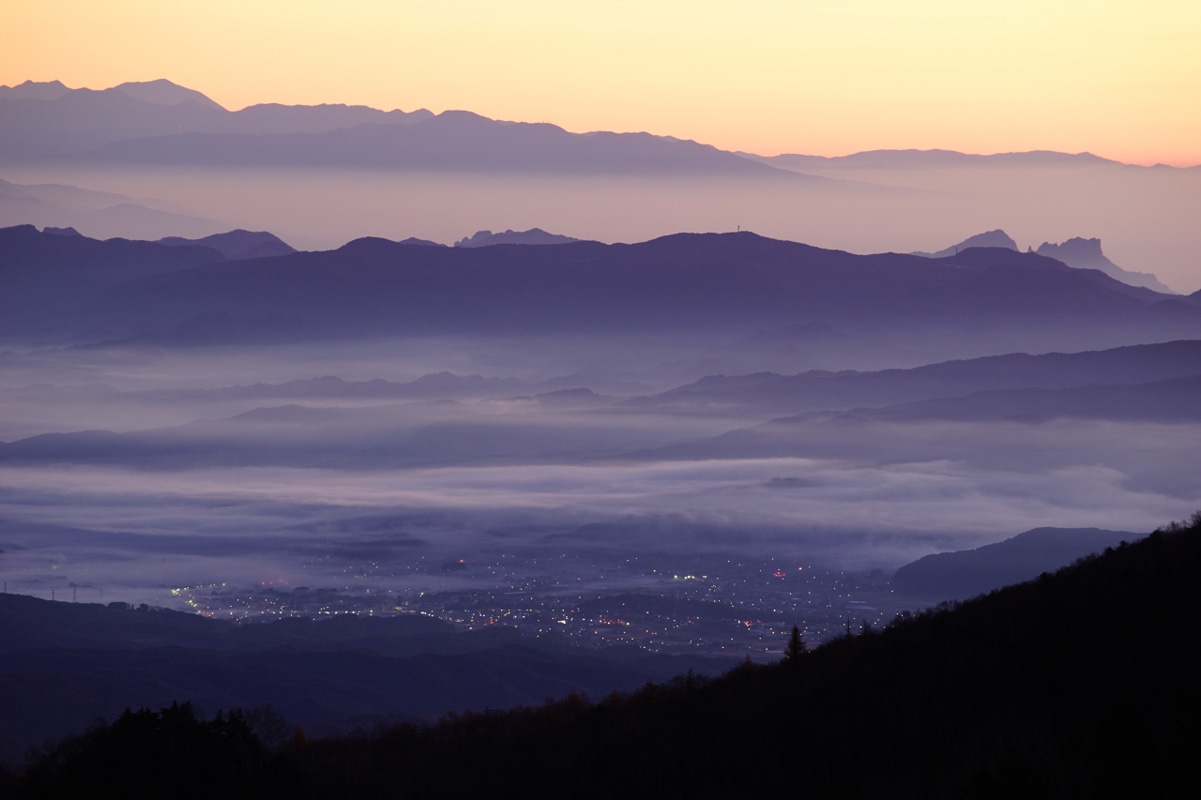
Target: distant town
x,y
711,605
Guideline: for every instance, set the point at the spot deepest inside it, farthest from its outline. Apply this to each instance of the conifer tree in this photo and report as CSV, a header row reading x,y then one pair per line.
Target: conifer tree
x,y
796,647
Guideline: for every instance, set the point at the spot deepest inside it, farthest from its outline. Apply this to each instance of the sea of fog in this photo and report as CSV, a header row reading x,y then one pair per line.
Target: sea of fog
x,y
141,473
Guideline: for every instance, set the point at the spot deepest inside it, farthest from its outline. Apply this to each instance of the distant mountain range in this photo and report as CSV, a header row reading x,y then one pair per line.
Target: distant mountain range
x,y
872,159
1156,383
453,141
98,214
48,119
740,283
159,122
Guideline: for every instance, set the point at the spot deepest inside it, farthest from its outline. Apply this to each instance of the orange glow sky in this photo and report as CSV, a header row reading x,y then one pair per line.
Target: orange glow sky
x,y
829,77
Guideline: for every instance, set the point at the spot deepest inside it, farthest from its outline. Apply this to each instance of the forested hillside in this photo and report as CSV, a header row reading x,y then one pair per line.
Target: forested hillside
x,y
1078,684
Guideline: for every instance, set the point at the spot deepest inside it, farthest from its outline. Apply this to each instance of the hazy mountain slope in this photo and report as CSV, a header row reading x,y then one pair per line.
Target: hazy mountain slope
x,y
20,206
966,573
1087,254
453,141
97,214
159,122
768,393
49,120
1173,400
573,427
337,438
268,118
82,119
440,386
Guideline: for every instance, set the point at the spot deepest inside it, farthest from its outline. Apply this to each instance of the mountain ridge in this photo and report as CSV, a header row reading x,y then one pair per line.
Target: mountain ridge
x,y
99,215
450,141
829,391
1150,383
37,132
909,158
738,282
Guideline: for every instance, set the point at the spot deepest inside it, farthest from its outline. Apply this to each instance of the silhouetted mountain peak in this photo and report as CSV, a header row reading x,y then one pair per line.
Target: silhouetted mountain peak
x,y
1074,248
997,238
413,240
61,231
237,244
532,236
163,92
33,90
1077,252
1087,254
461,116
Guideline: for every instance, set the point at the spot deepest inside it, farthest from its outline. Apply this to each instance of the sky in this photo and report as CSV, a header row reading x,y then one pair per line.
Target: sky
x,y
826,77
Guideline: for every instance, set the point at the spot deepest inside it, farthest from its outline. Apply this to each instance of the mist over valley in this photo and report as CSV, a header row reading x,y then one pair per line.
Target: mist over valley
x,y
295,400
355,420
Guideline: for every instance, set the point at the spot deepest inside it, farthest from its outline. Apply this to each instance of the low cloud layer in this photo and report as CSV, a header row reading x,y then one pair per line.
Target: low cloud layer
x,y
206,477
139,532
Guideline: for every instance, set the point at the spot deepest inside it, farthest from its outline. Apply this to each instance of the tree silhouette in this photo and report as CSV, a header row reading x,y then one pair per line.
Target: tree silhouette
x,y
796,647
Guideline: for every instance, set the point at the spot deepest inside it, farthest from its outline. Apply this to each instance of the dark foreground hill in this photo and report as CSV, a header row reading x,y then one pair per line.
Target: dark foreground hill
x,y
1078,684
62,665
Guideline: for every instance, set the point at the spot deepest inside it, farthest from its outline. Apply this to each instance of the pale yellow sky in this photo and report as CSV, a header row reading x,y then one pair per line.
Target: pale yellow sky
x,y
830,77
